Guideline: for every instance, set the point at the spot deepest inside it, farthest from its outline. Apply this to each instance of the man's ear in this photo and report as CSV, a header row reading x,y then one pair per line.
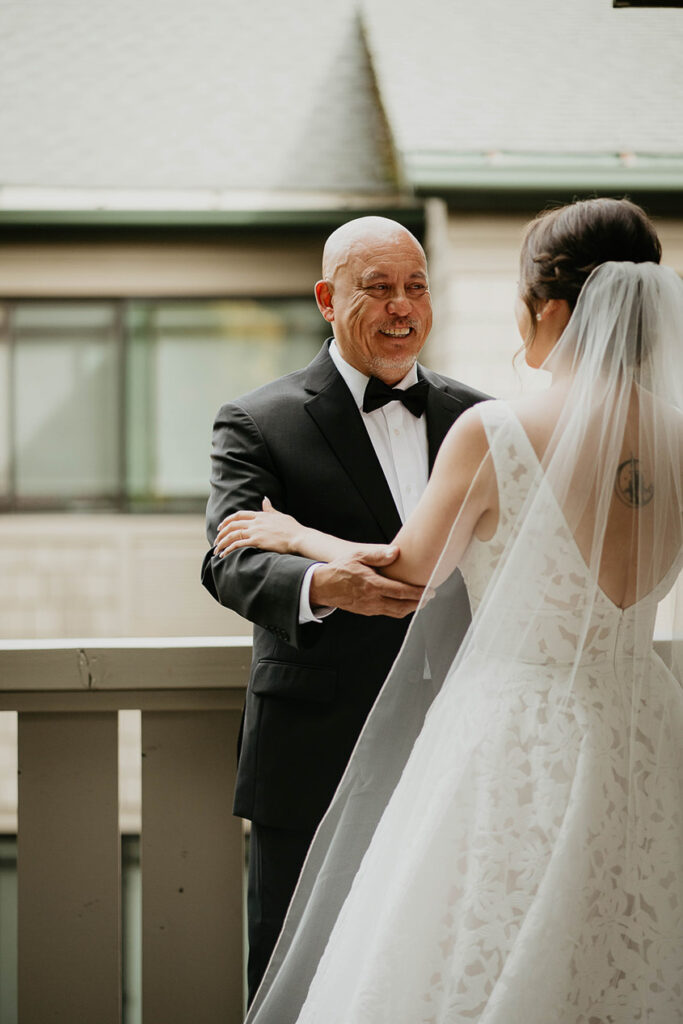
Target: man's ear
x,y
323,296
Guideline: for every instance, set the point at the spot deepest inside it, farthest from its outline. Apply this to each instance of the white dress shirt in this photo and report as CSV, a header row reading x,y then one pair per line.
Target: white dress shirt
x,y
400,443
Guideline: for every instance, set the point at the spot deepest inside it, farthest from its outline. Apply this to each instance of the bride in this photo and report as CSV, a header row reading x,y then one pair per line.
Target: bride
x,y
507,847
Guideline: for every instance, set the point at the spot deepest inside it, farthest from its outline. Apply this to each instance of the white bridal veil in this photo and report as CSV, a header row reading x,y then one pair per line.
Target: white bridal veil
x,y
611,467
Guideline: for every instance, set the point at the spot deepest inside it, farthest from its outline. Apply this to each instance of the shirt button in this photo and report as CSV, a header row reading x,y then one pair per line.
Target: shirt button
x,y
396,431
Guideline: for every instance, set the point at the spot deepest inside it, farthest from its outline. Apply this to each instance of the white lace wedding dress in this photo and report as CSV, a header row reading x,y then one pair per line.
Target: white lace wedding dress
x,y
528,868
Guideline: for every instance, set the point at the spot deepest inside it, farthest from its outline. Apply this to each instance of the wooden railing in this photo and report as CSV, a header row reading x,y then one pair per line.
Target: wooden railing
x,y
68,695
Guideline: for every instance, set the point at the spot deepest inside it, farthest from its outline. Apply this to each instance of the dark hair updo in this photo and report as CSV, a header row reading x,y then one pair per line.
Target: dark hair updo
x,y
562,247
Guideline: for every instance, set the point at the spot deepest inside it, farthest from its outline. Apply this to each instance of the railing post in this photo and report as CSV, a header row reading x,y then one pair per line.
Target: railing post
x,y
69,942
192,869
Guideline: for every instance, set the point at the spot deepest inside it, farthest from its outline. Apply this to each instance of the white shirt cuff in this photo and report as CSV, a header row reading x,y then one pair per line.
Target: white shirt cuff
x,y
306,613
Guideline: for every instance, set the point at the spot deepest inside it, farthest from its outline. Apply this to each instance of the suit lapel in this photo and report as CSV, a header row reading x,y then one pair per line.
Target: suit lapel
x,y
442,411
336,414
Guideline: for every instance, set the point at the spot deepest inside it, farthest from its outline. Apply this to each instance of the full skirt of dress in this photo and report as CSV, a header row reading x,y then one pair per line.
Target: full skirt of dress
x,y
527,869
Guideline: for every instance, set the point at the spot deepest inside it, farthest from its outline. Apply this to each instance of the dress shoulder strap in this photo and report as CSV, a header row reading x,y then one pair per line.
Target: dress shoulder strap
x,y
514,460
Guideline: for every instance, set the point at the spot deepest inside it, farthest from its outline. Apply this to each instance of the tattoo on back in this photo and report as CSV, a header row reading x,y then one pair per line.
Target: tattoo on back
x,y
632,486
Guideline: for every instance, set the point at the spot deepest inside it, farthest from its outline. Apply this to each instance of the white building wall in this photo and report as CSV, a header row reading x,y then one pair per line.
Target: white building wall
x,y
474,272
475,335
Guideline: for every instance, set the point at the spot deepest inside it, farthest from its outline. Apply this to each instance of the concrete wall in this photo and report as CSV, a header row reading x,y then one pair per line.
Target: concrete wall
x,y
106,575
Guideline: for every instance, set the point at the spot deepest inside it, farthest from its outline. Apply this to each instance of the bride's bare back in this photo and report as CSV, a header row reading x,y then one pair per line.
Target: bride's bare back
x,y
634,556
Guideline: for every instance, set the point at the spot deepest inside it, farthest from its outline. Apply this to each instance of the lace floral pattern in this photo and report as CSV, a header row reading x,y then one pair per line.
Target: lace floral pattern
x,y
529,867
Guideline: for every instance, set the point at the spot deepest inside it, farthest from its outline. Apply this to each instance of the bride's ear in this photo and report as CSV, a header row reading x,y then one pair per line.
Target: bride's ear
x,y
554,311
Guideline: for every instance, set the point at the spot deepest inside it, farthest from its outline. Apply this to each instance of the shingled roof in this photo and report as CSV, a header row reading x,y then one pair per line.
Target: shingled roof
x,y
208,95
529,89
322,96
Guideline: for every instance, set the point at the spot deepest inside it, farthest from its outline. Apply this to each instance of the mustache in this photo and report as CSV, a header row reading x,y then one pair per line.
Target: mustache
x,y
399,322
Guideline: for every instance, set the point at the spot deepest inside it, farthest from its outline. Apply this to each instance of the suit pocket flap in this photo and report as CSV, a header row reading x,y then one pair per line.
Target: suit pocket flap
x,y
294,682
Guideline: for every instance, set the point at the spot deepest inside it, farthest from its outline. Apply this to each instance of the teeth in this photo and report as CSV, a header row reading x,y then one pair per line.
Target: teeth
x,y
401,333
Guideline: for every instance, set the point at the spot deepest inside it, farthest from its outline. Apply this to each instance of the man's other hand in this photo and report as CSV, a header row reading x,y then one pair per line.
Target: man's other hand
x,y
352,584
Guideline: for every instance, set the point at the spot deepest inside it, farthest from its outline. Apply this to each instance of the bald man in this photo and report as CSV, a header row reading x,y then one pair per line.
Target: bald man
x,y
344,445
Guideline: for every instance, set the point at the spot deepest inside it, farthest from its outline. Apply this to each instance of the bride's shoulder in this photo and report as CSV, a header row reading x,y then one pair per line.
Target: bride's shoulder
x,y
506,413
462,458
467,437
474,427
474,418
538,403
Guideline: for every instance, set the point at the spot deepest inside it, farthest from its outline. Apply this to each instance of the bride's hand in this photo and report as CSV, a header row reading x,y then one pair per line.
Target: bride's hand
x,y
268,529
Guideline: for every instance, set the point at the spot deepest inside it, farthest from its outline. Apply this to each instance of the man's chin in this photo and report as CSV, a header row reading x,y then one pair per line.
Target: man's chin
x,y
392,368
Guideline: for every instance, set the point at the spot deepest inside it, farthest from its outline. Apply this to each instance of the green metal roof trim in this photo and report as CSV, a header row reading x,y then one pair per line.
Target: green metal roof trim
x,y
432,170
411,213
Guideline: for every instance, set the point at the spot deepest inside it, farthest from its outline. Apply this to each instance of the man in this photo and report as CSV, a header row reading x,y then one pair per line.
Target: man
x,y
350,458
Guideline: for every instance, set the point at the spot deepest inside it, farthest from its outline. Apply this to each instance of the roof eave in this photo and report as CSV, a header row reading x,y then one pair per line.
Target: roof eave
x,y
525,172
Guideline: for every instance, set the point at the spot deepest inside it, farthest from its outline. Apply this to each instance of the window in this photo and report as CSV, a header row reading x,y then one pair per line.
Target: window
x,y
110,404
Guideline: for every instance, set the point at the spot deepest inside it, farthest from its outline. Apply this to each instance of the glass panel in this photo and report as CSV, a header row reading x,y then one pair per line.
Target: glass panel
x,y
51,317
66,391
4,404
185,360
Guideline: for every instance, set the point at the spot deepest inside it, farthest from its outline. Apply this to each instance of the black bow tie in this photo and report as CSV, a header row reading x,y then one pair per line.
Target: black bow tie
x,y
377,394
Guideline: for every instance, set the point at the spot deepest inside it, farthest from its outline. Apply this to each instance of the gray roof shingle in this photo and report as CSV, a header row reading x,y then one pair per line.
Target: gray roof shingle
x,y
545,76
260,96
166,94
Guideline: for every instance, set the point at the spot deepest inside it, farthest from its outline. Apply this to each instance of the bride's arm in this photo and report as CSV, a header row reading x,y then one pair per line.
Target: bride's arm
x,y
276,531
462,491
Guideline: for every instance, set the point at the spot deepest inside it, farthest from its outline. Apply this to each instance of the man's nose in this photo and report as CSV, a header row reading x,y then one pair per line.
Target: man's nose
x,y
399,304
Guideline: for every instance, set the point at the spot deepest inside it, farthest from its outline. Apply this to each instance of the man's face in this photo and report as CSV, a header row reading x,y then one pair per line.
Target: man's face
x,y
380,306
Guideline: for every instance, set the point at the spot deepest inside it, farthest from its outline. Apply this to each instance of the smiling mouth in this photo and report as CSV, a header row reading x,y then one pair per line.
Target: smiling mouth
x,y
396,332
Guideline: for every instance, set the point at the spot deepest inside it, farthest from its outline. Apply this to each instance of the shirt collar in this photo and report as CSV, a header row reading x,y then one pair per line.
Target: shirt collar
x,y
356,381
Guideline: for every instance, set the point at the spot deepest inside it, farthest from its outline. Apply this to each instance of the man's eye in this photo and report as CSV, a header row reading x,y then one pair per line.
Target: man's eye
x,y
377,287
418,287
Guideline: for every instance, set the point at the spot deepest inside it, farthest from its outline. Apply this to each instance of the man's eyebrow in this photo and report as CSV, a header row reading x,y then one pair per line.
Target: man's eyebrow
x,y
378,275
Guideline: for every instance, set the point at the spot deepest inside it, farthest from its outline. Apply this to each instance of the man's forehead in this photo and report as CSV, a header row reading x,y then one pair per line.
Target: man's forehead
x,y
378,270
402,254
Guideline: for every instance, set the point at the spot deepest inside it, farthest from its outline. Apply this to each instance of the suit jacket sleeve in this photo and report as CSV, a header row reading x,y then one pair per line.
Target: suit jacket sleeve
x,y
262,586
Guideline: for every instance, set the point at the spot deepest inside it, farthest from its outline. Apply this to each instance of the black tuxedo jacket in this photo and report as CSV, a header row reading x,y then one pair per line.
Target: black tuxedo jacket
x,y
301,441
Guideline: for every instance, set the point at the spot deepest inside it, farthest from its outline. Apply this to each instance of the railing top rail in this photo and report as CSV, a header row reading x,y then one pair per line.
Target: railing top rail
x,y
149,663
125,642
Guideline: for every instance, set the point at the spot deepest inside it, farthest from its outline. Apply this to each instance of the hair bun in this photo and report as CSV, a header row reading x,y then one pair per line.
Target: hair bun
x,y
563,246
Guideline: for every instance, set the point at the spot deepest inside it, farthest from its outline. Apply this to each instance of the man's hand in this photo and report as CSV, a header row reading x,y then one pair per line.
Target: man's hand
x,y
351,583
